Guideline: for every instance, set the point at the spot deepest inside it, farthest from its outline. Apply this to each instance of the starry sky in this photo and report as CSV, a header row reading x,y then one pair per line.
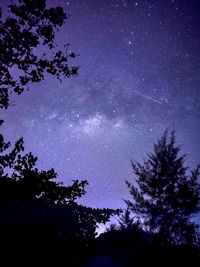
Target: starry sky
x,y
139,74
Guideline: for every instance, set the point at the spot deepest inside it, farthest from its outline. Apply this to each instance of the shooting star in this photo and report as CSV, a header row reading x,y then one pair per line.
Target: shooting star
x,y
148,97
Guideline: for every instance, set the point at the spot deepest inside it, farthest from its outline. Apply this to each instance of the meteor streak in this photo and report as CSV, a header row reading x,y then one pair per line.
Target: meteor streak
x,y
147,97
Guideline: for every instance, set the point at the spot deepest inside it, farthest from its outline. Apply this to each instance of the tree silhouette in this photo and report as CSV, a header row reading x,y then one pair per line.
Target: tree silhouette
x,y
39,214
166,195
125,242
126,221
28,48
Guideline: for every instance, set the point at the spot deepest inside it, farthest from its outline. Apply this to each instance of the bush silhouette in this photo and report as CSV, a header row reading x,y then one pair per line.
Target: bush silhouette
x,y
41,221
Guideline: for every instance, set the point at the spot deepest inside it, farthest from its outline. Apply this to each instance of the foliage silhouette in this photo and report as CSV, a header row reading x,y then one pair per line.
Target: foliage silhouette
x,y
166,195
124,244
133,246
28,48
39,214
125,221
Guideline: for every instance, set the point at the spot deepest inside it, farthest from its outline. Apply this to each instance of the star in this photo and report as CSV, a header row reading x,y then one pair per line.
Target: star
x,y
139,74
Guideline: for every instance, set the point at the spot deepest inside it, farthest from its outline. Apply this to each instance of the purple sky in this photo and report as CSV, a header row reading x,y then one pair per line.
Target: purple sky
x,y
139,74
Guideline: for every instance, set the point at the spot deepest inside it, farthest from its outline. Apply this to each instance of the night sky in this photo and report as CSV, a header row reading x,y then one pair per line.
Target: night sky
x,y
139,74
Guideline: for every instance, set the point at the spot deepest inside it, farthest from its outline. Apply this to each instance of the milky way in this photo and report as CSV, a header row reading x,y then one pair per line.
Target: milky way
x,y
139,74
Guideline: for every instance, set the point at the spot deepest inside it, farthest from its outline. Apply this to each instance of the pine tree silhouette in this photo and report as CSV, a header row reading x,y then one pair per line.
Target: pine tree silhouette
x,y
166,195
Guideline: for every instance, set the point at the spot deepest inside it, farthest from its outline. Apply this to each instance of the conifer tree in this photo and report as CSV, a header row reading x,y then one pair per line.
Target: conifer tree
x,y
126,221
166,194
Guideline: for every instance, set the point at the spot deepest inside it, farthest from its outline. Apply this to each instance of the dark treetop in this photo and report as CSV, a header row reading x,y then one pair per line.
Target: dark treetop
x,y
29,28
